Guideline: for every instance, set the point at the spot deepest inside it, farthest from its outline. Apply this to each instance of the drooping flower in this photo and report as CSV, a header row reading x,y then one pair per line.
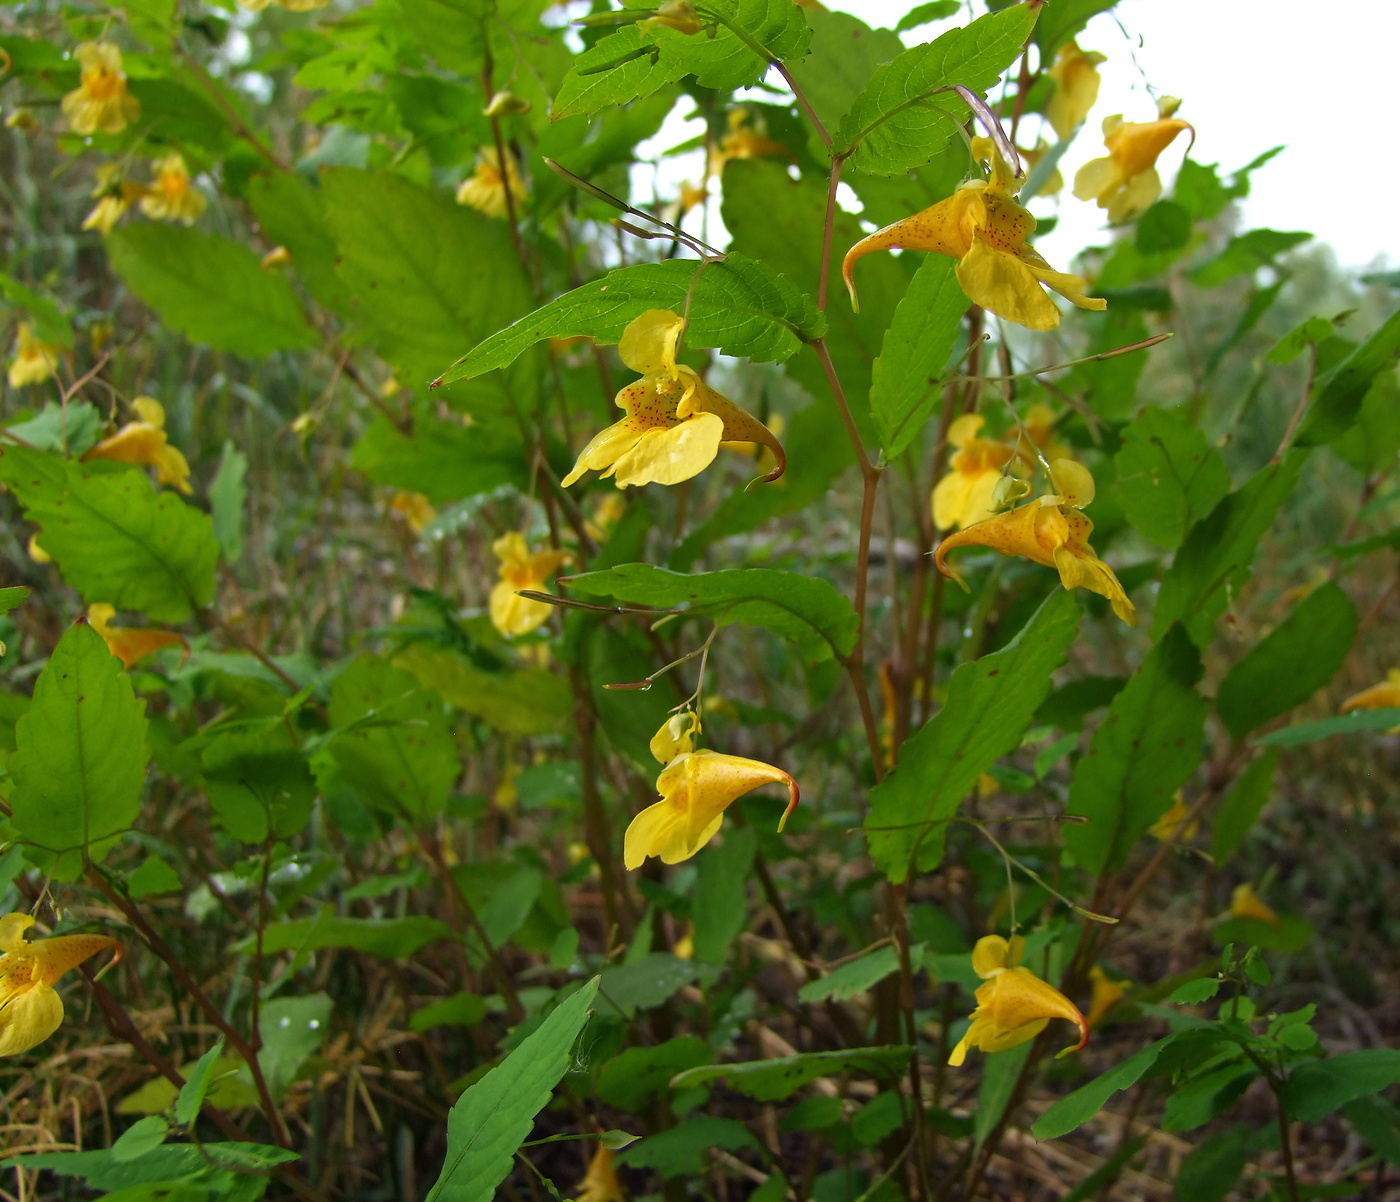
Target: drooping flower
x,y
485,190
34,361
172,196
1176,824
679,15
1014,1005
1107,993
964,495
30,1008
1076,76
414,508
1125,181
114,196
128,643
747,139
511,614
1385,695
985,229
1049,530
1245,903
696,788
675,421
600,1183
100,103
143,442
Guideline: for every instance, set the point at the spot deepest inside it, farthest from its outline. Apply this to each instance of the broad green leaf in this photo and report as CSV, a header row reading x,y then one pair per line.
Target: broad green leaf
x,y
1297,340
1298,657
51,325
1337,396
196,1086
1219,549
1063,20
902,120
720,909
683,1151
1193,993
1079,1107
392,740
1147,745
210,289
1245,253
141,1137
773,1080
80,757
291,1028
631,1079
532,701
904,384
1373,441
445,460
998,1085
1210,1171
68,431
228,498
457,1009
649,981
290,214
114,538
1324,728
1169,476
163,1165
989,705
391,938
1374,1119
805,609
1316,1089
153,877
1110,385
856,976
739,307
933,10
843,55
259,783
12,596
492,1119
1241,807
608,652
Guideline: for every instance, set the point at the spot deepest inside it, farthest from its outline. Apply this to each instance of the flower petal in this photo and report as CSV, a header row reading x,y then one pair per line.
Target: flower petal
x,y
1002,284
670,456
648,344
29,1018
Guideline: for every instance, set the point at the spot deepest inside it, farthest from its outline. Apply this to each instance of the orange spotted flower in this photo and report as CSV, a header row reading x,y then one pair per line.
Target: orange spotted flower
x,y
1125,181
521,569
675,421
30,1008
172,195
1014,1005
696,788
985,229
100,103
144,442
1049,530
964,495
1076,77
130,644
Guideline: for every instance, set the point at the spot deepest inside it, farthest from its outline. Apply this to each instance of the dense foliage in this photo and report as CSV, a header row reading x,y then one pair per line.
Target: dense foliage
x,y
503,691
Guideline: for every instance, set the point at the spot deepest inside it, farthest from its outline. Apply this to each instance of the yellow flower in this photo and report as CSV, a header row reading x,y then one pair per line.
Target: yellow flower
x,y
600,1183
296,6
485,191
1385,695
679,15
1014,1005
745,140
414,508
34,361
511,614
1107,994
692,196
30,1008
983,227
100,103
1039,425
1076,76
696,788
143,442
1244,903
964,495
675,421
172,197
130,644
36,552
1049,530
278,256
684,947
114,196
1173,824
676,737
1125,182
506,795
605,516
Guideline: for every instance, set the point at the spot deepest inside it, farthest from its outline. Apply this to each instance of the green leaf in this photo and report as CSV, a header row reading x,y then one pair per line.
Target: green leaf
x,y
532,701
12,596
720,909
1374,1119
392,740
1298,339
141,1137
1337,396
856,976
114,538
80,757
999,1080
899,123
633,1078
427,274
904,385
291,1028
457,1009
922,14
290,214
645,983
492,1119
843,55
738,306
1079,1107
1316,1089
1192,993
444,460
153,877
681,1151
989,705
163,1165
1241,807
805,609
1148,744
51,324
1210,1171
210,289
1065,19
228,499
259,783
1219,549
1311,732
391,938
1299,656
196,1086
1169,476
1246,252
69,433
773,1080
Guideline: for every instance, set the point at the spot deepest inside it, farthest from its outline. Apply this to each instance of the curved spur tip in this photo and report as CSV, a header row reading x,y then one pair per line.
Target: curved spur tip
x,y
794,796
778,469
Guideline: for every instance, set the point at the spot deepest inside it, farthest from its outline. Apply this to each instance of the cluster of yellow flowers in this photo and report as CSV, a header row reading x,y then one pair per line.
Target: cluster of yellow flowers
x,y
170,196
